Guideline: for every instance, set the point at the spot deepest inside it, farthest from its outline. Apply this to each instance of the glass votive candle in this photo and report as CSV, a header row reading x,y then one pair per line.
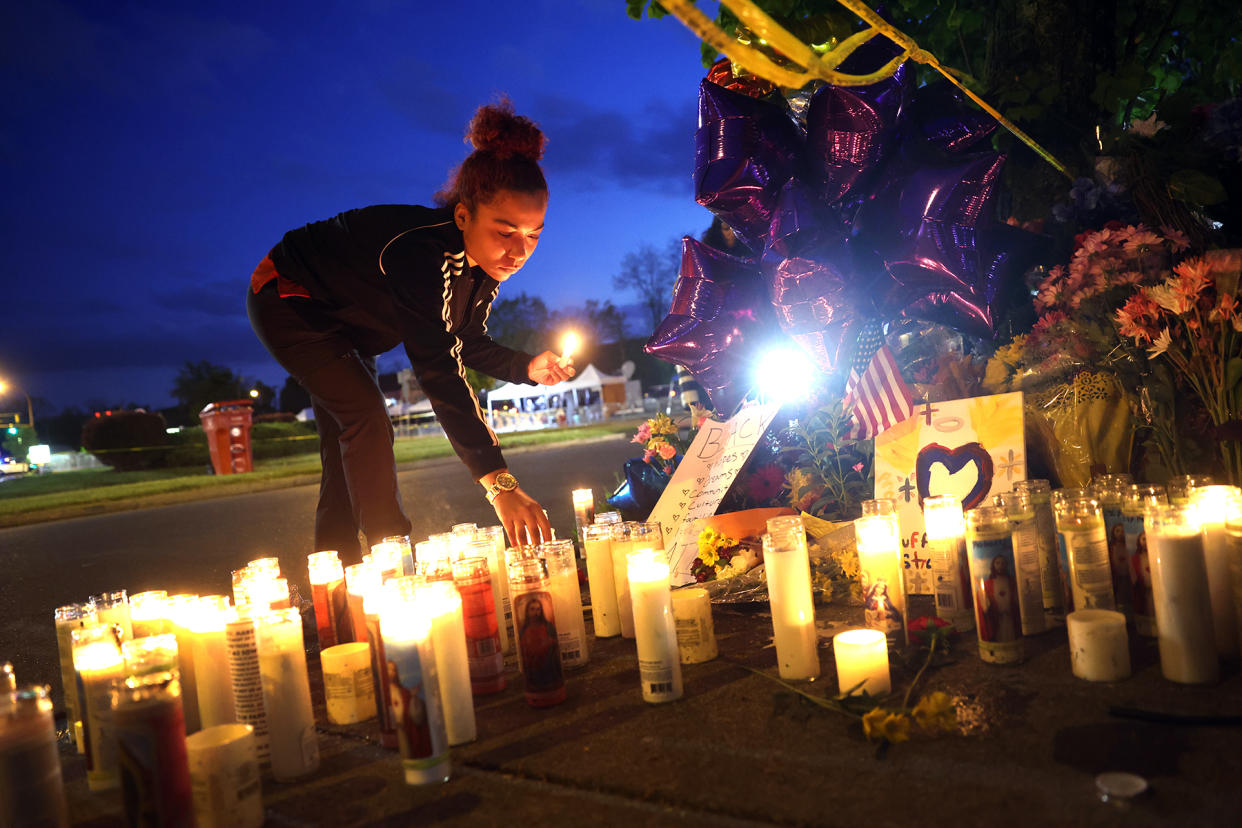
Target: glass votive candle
x,y
862,662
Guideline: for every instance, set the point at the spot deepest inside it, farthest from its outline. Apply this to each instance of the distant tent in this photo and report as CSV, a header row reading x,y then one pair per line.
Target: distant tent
x,y
614,392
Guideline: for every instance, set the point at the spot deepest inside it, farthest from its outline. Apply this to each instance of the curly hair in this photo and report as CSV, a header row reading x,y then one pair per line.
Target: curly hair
x,y
507,149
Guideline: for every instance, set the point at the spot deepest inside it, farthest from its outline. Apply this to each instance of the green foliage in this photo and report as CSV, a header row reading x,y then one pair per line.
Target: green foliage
x,y
126,440
200,383
831,475
520,322
17,445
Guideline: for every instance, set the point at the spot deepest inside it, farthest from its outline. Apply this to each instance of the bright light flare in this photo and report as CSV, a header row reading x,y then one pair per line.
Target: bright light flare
x,y
785,374
569,344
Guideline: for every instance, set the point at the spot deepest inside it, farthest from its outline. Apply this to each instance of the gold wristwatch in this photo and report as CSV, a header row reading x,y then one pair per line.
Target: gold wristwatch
x,y
504,482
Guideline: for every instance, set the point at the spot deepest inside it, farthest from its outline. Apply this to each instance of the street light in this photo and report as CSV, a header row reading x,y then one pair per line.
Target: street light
x,y
4,389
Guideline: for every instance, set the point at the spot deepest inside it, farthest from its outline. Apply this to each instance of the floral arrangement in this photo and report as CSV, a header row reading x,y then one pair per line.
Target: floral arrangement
x,y
829,473
716,555
661,439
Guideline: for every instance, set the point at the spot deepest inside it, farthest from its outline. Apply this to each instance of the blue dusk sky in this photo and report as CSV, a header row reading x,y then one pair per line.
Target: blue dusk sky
x,y
152,152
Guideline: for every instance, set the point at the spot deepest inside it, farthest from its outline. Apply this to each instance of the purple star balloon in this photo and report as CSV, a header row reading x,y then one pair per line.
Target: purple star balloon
x,y
719,323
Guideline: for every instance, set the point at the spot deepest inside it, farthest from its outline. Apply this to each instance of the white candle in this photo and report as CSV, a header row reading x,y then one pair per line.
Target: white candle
x,y
148,613
214,686
605,614
98,662
387,556
415,695
180,608
498,569
1234,527
1214,505
692,615
562,568
659,664
621,546
448,638
329,598
1184,631
248,684
348,685
946,540
359,580
286,695
31,789
1080,523
224,777
404,550
113,608
69,618
584,510
1099,647
862,659
878,540
789,596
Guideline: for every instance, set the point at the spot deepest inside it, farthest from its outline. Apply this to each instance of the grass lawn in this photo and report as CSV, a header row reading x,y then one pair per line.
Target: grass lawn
x,y
90,491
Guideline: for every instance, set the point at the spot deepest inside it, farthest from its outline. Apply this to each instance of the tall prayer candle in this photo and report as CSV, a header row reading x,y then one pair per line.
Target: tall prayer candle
x,y
374,598
98,662
360,579
1184,626
148,612
878,540
1110,490
1024,532
1214,505
209,640
535,628
1040,492
1099,647
434,558
659,662
406,550
286,694
31,789
224,773
69,618
998,618
247,681
264,569
330,599
448,640
562,566
946,539
1081,525
348,684
180,610
862,662
584,509
789,595
487,663
415,689
113,608
150,654
1180,487
150,732
605,614
387,556
498,570
622,544
1142,601
696,635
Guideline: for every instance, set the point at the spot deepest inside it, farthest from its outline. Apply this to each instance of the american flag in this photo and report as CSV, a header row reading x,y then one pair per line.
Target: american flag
x,y
875,394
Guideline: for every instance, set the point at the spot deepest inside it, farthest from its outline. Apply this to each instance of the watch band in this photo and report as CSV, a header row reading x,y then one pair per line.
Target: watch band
x,y
504,482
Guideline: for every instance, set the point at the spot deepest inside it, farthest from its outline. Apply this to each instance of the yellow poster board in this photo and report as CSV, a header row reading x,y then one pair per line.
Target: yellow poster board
x,y
972,448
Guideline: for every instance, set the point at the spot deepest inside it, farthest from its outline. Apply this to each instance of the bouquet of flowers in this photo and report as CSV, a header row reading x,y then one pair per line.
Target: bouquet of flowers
x,y
721,557
661,438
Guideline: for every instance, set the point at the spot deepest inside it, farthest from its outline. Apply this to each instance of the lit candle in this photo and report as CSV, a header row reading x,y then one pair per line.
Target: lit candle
x,y
1098,645
584,509
348,684
1040,492
263,569
1214,505
1024,534
30,778
1142,600
474,583
208,639
622,544
878,540
98,662
1110,490
498,571
1233,526
224,773
150,654
534,623
415,693
359,579
789,596
659,663
862,662
148,612
150,733
1080,523
945,524
998,617
69,618
328,597
692,615
387,556
448,639
113,608
434,559
569,344
605,614
286,694
248,683
180,609
406,550
374,595
1184,626
562,567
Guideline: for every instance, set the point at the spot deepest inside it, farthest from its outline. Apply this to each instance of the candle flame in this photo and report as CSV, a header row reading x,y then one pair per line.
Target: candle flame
x,y
569,344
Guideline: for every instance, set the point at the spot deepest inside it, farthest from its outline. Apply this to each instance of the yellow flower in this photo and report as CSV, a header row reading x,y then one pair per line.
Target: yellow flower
x,y
708,556
996,376
880,725
935,711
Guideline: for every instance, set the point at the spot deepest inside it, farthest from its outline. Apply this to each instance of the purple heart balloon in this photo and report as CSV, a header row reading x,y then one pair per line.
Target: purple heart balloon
x,y
719,323
744,153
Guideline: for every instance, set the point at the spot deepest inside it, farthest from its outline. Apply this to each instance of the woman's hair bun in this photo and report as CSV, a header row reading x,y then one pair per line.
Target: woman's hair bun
x,y
496,129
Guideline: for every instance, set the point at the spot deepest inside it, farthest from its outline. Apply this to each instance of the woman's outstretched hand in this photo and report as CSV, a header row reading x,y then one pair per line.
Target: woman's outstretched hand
x,y
548,368
522,517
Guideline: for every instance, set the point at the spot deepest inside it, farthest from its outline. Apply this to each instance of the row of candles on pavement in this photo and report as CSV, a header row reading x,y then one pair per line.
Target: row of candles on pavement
x,y
1169,561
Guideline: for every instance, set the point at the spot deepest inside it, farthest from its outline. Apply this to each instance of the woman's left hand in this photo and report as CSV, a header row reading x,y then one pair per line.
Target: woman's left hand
x,y
548,368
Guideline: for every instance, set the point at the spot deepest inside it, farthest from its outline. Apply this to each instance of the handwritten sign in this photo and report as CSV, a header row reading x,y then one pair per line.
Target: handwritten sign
x,y
973,448
708,469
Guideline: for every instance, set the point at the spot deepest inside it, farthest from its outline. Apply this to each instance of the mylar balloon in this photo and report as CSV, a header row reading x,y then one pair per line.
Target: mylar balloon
x,y
640,491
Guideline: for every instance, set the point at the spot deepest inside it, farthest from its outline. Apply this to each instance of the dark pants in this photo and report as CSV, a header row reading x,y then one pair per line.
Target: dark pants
x,y
358,487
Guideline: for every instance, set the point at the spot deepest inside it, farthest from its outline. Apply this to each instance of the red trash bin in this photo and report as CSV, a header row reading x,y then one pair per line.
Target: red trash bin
x,y
227,426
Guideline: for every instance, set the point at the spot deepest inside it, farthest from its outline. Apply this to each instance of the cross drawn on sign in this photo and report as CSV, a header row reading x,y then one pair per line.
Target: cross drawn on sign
x,y
706,472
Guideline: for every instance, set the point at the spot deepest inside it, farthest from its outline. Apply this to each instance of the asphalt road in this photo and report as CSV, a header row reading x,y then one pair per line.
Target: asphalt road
x,y
193,547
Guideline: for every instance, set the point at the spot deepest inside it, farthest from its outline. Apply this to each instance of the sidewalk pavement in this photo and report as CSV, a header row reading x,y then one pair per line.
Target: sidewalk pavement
x,y
739,749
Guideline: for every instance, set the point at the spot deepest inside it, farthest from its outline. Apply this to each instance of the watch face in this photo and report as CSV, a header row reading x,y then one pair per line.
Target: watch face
x,y
506,481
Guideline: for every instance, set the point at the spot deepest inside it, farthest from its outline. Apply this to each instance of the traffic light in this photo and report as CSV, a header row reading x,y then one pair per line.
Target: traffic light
x,y
12,429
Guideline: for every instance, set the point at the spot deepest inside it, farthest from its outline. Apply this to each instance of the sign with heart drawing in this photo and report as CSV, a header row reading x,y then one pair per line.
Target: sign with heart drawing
x,y
972,448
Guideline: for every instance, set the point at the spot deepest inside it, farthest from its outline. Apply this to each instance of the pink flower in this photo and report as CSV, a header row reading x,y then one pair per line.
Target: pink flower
x,y
1140,241
648,454
1178,240
666,451
644,433
858,467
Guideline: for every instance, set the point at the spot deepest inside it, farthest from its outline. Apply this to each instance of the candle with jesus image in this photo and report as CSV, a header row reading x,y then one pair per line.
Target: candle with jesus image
x,y
998,618
534,622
